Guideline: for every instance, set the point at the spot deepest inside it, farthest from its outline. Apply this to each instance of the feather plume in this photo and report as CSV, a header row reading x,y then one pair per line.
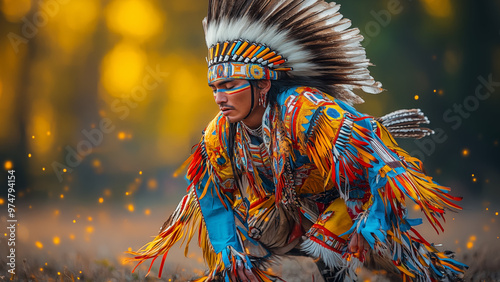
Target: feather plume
x,y
406,123
311,38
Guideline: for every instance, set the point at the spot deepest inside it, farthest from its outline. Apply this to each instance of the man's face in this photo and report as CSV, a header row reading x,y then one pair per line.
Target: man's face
x,y
234,98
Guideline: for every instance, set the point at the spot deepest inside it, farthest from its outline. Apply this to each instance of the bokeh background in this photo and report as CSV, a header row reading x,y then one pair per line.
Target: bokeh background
x,y
100,102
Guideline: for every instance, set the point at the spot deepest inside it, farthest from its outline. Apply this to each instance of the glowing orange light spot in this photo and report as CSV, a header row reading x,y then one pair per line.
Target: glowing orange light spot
x,y
472,238
41,269
152,184
62,196
127,193
416,97
2,201
96,163
56,212
470,245
8,165
496,213
107,192
65,170
147,212
56,240
29,155
89,229
140,172
89,218
474,179
58,273
129,249
43,168
465,152
121,135
435,90
39,244
131,208
416,207
72,236
33,137
101,200
74,220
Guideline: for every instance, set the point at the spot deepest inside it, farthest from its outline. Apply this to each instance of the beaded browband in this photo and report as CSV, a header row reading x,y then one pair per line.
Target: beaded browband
x,y
242,59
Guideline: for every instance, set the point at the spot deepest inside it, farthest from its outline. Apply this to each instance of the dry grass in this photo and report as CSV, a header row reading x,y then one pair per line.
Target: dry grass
x,y
483,267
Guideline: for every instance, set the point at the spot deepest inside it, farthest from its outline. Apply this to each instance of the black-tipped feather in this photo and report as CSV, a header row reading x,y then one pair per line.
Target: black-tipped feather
x,y
330,51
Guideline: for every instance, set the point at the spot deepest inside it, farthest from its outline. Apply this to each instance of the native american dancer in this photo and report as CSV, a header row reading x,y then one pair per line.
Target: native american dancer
x,y
288,166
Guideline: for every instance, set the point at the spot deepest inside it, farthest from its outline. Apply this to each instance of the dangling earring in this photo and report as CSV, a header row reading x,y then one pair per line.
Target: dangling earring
x,y
263,99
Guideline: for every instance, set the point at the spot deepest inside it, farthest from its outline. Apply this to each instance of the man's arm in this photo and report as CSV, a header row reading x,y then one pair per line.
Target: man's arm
x,y
350,149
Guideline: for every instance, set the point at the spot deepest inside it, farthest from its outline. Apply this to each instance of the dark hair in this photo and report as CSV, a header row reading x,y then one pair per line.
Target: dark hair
x,y
285,83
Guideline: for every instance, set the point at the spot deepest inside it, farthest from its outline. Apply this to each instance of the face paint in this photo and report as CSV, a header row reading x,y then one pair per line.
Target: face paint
x,y
234,90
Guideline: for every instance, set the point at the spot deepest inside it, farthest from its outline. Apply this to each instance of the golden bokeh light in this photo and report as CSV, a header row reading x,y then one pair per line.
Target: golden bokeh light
x,y
416,97
56,240
41,121
89,229
101,200
438,8
152,184
470,245
39,244
122,69
70,27
107,192
147,211
130,207
465,152
137,19
8,165
15,10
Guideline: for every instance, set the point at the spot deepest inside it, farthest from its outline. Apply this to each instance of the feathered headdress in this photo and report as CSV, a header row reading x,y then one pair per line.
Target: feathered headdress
x,y
272,39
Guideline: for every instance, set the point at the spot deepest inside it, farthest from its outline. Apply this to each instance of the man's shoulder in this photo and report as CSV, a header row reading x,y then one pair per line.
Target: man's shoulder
x,y
215,140
303,107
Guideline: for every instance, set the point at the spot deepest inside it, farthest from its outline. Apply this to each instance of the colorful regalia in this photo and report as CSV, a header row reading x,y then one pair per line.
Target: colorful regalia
x,y
318,171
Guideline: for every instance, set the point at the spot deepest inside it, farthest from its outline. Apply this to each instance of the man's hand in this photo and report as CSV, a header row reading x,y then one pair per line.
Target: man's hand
x,y
358,245
244,274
